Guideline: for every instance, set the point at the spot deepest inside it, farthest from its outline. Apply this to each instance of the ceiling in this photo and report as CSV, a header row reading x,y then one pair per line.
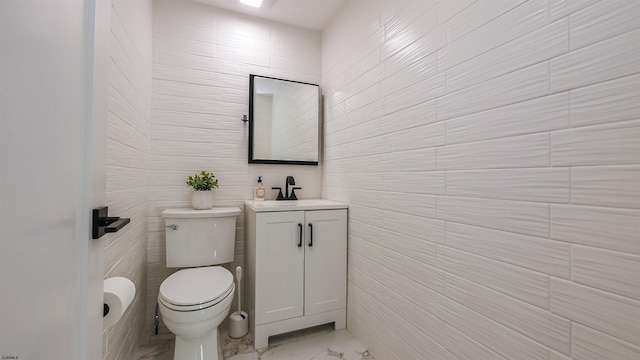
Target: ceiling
x,y
310,14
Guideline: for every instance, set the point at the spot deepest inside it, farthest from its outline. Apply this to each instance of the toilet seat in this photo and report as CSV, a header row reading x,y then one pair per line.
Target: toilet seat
x,y
196,289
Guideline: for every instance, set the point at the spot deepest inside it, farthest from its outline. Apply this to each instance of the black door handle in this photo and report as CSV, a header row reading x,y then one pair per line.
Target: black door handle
x,y
310,235
300,242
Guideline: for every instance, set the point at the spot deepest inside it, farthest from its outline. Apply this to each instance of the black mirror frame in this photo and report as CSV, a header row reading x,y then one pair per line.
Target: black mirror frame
x,y
251,127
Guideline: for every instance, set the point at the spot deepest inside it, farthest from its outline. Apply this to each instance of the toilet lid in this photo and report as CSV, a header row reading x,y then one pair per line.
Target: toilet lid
x,y
196,286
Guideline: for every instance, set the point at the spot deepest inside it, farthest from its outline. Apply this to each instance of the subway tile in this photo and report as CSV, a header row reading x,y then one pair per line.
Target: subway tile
x,y
431,230
540,325
183,104
603,20
413,61
369,115
414,21
363,64
539,184
499,338
136,135
419,70
188,61
613,186
404,268
610,271
606,228
190,31
609,101
243,56
246,27
520,21
366,147
477,14
181,133
611,314
422,205
189,46
384,316
172,73
363,229
236,68
528,286
240,41
288,68
530,49
528,151
589,344
419,182
533,253
416,248
413,291
365,80
418,93
421,114
424,136
609,59
561,8
446,10
362,98
460,346
615,144
537,115
557,356
411,160
196,91
516,216
521,85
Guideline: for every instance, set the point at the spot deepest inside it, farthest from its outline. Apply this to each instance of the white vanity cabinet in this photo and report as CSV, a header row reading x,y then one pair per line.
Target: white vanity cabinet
x,y
296,266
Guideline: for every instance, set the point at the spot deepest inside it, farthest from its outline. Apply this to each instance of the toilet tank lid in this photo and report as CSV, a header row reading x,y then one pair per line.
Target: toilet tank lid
x,y
191,213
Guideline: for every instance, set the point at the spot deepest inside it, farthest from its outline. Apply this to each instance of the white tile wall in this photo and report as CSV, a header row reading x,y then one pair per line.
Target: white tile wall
x,y
489,151
128,144
202,58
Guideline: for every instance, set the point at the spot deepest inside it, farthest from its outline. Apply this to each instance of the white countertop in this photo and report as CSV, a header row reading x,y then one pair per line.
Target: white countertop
x,y
293,205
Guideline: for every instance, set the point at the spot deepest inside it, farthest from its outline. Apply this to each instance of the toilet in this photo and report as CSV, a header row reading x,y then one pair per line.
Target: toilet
x,y
196,299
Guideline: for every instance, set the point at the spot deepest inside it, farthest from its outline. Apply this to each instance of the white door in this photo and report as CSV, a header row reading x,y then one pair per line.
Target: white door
x,y
53,85
325,261
279,266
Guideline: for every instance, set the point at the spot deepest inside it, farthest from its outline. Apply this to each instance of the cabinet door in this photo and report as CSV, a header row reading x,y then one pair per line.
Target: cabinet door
x,y
279,266
325,261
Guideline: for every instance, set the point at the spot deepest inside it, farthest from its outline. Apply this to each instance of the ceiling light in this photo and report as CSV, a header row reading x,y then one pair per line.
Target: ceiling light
x,y
254,3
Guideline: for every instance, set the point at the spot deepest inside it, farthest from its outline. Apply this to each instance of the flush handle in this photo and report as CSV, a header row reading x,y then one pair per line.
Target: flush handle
x,y
173,226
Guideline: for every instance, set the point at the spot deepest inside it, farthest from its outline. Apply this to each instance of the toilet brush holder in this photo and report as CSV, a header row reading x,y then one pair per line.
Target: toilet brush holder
x,y
238,324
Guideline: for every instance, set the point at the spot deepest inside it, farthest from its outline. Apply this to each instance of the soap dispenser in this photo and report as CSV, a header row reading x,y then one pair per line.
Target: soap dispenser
x,y
259,192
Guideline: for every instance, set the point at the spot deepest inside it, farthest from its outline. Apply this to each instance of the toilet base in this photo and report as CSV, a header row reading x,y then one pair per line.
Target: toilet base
x,y
199,348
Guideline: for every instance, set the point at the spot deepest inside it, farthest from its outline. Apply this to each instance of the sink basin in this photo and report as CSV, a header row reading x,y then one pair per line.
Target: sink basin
x,y
291,205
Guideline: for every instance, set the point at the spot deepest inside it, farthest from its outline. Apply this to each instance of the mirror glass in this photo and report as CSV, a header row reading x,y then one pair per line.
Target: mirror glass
x,y
284,122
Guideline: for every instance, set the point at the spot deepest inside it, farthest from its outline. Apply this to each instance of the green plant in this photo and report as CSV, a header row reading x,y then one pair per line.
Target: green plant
x,y
204,181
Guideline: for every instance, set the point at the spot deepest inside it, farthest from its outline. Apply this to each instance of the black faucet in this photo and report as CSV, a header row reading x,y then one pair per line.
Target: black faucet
x,y
289,181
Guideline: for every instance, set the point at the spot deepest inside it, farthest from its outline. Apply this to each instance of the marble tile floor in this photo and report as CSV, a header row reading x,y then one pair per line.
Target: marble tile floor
x,y
318,343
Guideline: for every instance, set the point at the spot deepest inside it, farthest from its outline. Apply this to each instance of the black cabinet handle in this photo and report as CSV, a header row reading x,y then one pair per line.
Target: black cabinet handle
x,y
310,235
300,242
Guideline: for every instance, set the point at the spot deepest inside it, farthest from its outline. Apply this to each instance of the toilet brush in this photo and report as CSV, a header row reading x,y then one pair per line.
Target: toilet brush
x,y
239,320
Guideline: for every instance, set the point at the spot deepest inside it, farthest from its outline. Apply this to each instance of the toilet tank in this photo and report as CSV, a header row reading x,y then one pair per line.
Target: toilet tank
x,y
200,237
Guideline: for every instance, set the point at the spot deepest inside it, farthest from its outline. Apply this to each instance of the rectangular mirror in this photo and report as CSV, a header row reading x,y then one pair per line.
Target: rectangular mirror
x,y
284,121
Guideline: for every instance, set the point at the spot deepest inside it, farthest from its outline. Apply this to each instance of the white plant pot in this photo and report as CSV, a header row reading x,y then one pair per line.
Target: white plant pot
x,y
202,200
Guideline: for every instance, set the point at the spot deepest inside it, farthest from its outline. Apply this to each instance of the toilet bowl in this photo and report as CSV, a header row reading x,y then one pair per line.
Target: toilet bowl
x,y
193,302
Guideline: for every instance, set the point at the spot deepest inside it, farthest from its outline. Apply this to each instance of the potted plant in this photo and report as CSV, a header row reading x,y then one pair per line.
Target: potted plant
x,y
203,185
